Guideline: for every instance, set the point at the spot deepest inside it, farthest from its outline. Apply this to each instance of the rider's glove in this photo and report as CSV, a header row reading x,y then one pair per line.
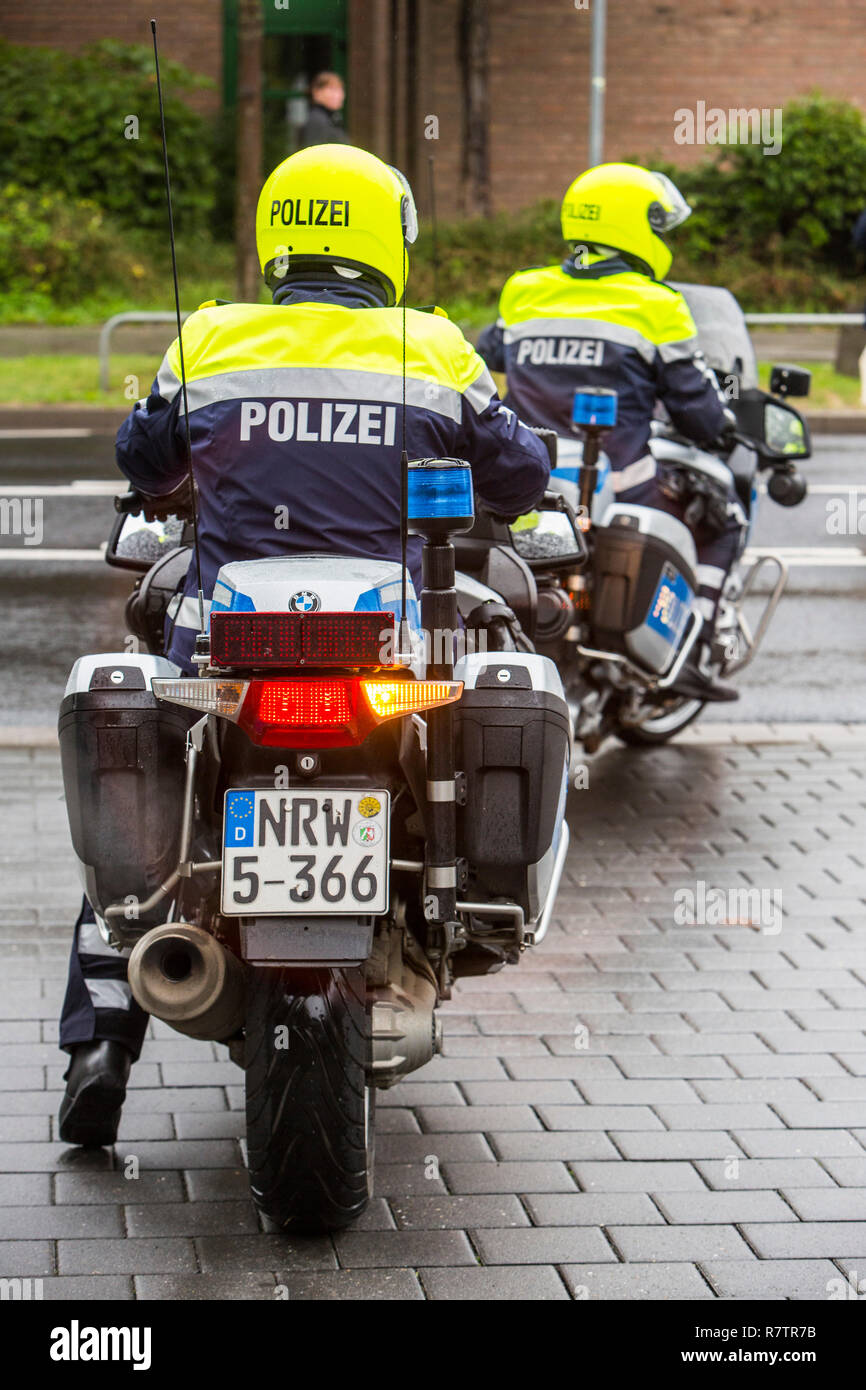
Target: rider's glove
x,y
549,439
178,502
725,439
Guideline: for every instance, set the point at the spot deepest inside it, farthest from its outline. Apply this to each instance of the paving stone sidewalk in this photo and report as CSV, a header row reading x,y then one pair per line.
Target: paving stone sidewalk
x,y
642,1109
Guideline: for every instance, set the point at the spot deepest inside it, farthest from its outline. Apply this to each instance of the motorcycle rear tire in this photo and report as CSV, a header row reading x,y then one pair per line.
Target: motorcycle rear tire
x,y
645,736
309,1108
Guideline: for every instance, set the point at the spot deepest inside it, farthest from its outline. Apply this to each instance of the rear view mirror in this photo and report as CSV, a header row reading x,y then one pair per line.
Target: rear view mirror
x,y
786,380
785,433
136,544
547,536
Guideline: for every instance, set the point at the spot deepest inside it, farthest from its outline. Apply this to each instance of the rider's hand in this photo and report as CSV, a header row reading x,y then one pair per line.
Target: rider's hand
x,y
549,439
178,502
726,437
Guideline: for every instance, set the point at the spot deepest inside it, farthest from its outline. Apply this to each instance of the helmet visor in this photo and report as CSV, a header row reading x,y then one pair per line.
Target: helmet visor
x,y
409,212
679,208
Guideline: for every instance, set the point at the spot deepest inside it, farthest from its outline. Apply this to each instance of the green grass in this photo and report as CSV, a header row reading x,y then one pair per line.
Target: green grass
x,y
74,380
830,391
205,271
48,379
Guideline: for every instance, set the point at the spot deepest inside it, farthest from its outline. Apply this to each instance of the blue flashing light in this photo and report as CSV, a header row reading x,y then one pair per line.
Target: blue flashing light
x,y
594,409
440,493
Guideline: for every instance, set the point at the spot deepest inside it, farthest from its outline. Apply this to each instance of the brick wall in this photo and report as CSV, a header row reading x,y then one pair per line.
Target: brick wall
x,y
189,31
661,57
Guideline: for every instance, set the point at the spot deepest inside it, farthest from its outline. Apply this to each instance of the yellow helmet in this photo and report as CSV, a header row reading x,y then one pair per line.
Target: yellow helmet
x,y
335,204
626,208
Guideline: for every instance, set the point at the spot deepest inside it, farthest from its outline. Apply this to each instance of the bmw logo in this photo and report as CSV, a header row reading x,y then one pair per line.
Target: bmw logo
x,y
305,601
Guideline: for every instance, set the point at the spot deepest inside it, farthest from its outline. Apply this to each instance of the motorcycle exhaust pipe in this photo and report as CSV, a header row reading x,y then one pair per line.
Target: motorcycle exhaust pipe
x,y
183,975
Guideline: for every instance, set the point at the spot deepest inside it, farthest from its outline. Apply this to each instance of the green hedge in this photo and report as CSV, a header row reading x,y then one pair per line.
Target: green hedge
x,y
52,245
62,122
794,209
775,229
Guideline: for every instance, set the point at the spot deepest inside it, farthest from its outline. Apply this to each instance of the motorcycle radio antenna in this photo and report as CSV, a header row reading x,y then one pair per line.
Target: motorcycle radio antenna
x,y
404,477
431,171
202,637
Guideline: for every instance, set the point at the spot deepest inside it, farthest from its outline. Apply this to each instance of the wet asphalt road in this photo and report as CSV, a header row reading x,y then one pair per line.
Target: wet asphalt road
x,y
54,607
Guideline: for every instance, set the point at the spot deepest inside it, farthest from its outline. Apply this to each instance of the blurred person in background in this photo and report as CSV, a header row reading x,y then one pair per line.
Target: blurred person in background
x,y
324,123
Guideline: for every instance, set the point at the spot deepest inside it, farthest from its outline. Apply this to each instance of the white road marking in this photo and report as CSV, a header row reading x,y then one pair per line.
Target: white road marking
x,y
47,434
821,555
87,487
836,489
33,552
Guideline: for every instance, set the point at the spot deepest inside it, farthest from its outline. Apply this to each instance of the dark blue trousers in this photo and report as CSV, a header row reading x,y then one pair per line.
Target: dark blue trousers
x,y
99,1003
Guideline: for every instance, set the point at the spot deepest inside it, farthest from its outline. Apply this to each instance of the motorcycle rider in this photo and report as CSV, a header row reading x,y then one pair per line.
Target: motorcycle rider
x,y
605,318
295,411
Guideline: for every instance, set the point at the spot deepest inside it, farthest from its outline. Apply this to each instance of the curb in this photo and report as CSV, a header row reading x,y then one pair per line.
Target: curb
x,y
28,736
822,735
836,421
95,418
107,419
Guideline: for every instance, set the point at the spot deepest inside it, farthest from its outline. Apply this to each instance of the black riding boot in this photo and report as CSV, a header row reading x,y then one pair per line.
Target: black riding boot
x,y
695,684
95,1092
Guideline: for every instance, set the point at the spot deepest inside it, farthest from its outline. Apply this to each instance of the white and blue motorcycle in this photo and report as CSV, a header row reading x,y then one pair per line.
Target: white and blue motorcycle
x,y
306,843
621,627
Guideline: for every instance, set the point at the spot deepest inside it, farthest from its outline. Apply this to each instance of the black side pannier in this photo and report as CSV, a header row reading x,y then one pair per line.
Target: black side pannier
x,y
122,753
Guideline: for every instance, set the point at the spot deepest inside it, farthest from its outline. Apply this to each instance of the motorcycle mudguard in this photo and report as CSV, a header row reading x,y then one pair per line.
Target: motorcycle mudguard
x,y
307,941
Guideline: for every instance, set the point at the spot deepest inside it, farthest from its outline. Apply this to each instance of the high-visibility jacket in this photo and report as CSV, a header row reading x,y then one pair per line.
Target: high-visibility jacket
x,y
295,414
603,325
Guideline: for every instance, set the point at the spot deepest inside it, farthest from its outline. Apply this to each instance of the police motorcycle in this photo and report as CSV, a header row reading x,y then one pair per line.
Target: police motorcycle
x,y
309,841
621,629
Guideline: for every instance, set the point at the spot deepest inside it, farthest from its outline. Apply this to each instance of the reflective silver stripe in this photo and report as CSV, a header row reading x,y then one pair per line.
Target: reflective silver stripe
x,y
440,791
442,877
324,383
633,474
671,352
167,383
705,606
109,994
480,392
736,511
91,942
710,576
184,611
582,328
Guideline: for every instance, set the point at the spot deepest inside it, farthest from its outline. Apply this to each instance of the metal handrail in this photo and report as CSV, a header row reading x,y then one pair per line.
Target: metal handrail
x,y
809,320
105,332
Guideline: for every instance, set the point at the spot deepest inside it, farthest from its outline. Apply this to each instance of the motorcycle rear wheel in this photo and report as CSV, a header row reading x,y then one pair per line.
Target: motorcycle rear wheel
x,y
309,1109
662,726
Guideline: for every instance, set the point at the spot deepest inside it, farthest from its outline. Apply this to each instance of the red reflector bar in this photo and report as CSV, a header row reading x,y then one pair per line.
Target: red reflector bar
x,y
254,640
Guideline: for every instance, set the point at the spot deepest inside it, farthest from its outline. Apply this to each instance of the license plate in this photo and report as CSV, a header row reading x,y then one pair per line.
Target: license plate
x,y
305,852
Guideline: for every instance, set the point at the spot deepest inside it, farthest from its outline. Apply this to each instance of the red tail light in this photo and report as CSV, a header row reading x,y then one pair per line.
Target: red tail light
x,y
251,641
333,712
